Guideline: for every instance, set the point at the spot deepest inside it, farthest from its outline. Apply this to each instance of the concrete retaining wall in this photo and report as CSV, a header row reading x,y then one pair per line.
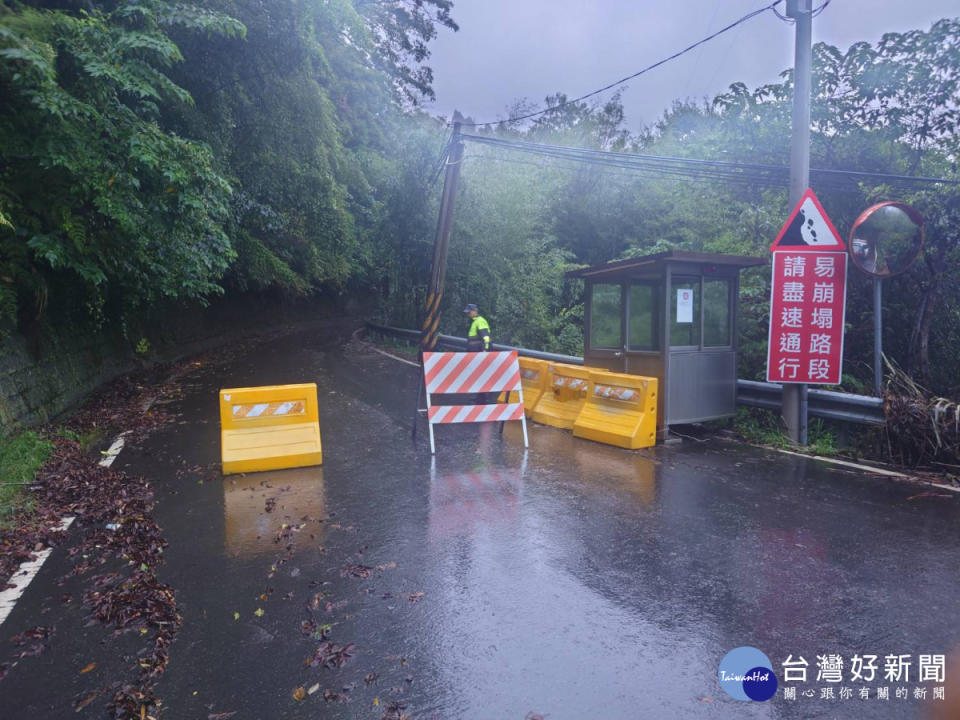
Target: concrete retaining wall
x,y
48,375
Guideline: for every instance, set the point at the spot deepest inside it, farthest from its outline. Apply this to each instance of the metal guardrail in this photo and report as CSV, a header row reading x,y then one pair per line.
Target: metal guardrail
x,y
452,342
827,404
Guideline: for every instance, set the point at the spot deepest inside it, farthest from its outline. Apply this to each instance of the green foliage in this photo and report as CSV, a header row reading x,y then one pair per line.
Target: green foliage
x,y
20,458
96,191
308,126
155,151
764,427
85,440
404,30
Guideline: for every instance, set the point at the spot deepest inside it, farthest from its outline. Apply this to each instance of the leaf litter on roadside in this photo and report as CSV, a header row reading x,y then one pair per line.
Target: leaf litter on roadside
x,y
113,522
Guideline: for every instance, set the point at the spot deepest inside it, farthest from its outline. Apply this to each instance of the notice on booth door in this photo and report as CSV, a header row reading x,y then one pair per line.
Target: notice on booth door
x,y
684,305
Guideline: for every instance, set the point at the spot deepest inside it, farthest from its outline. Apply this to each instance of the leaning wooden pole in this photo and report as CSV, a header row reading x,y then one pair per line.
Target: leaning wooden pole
x,y
430,329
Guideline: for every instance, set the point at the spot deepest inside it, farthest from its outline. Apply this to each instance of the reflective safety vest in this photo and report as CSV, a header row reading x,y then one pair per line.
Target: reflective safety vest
x,y
478,337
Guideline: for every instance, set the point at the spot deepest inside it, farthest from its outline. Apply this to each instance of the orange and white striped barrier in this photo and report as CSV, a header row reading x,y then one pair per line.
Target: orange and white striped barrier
x,y
471,373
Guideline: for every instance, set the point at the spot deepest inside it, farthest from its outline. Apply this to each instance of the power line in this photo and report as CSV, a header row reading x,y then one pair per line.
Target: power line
x,y
603,168
717,170
647,69
444,153
699,55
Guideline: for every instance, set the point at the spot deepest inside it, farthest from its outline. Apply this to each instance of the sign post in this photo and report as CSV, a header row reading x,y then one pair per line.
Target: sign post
x,y
795,396
808,294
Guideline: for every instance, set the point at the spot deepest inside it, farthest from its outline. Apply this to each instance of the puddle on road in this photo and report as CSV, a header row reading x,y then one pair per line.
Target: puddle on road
x,y
463,502
600,467
259,505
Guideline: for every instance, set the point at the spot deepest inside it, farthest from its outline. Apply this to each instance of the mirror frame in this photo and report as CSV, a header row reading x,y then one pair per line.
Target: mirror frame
x,y
911,212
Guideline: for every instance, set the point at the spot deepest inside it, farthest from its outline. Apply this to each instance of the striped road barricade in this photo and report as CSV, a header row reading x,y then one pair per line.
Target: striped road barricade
x,y
473,373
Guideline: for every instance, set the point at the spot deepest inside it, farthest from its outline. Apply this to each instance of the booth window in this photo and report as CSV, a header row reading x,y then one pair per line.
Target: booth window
x,y
716,312
642,329
685,312
605,311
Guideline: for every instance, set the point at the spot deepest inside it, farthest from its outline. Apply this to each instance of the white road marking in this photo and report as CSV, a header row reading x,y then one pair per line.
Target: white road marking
x,y
945,487
111,454
24,575
28,570
394,357
867,468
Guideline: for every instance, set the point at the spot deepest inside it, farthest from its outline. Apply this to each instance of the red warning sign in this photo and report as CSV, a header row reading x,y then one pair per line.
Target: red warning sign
x,y
808,293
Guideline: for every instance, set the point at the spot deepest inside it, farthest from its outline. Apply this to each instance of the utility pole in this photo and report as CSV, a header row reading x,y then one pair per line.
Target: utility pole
x,y
438,271
795,396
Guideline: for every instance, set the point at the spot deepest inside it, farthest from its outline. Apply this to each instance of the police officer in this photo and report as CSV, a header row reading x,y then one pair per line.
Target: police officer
x,y
478,336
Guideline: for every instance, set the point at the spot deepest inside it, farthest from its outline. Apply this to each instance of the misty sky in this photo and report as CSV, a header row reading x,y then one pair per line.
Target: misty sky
x,y
511,49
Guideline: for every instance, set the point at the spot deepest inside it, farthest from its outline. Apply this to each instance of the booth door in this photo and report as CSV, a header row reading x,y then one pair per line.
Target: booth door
x,y
643,311
605,327
703,357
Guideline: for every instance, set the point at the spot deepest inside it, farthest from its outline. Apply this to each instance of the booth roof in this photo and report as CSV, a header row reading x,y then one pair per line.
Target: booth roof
x,y
670,256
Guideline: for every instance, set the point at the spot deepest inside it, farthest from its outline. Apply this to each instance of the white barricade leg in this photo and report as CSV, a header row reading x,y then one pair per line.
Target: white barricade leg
x,y
433,449
523,419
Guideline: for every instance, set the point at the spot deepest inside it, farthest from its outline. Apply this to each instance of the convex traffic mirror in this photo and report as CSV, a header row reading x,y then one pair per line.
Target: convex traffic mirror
x,y
886,239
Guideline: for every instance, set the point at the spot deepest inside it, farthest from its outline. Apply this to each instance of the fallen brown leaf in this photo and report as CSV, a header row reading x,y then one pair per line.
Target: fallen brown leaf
x,y
88,668
86,701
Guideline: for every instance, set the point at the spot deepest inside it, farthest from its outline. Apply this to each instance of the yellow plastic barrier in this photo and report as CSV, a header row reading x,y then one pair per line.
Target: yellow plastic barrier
x,y
269,428
563,397
533,377
619,410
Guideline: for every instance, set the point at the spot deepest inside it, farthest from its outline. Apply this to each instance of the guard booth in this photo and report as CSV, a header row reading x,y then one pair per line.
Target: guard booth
x,y
672,316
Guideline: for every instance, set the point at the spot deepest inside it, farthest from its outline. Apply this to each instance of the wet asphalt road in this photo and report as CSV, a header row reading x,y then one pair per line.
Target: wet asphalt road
x,y
573,580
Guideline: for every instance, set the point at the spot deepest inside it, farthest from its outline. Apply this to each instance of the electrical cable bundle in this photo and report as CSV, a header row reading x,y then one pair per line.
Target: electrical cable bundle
x,y
719,171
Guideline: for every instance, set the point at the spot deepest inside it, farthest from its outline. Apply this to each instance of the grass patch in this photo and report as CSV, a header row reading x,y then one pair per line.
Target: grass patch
x,y
765,427
398,346
86,440
20,458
